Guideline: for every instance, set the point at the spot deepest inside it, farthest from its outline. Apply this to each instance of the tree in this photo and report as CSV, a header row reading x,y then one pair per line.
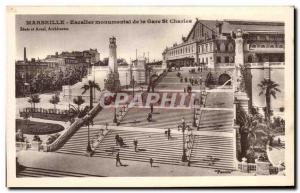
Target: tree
x,y
78,101
209,79
33,99
90,86
54,100
268,88
77,111
250,128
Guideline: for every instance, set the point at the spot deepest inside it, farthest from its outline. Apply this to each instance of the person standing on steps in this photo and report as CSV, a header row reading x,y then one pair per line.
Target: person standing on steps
x,y
169,133
135,143
151,162
118,160
151,108
117,139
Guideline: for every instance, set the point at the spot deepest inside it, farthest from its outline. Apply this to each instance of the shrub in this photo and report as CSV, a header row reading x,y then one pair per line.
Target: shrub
x,y
36,138
52,138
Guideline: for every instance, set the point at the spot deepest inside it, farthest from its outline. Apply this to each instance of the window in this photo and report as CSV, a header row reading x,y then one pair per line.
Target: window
x,y
272,46
280,46
211,47
262,46
206,47
253,46
206,60
218,46
218,59
250,59
230,47
226,59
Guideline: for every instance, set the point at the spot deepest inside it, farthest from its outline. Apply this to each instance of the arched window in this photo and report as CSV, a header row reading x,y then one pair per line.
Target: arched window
x,y
250,59
218,46
226,59
272,46
262,46
280,46
230,47
253,46
222,47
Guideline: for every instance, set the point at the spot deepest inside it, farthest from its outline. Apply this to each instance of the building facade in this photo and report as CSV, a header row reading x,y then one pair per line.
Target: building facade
x,y
217,45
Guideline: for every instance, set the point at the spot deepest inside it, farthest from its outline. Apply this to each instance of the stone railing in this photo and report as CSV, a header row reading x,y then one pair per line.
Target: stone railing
x,y
246,167
190,148
160,77
224,65
71,130
265,64
96,142
260,168
49,114
22,146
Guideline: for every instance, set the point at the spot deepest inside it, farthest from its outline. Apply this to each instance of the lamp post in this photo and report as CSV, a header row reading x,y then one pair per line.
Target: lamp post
x,y
115,116
194,116
88,148
183,127
115,113
126,81
133,86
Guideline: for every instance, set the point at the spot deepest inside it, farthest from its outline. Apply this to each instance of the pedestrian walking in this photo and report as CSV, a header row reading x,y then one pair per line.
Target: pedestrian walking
x,y
121,142
151,162
169,133
118,160
117,139
135,143
149,118
151,108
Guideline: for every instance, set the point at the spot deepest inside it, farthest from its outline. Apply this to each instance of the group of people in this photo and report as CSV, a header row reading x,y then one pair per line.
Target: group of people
x,y
168,133
119,141
135,144
118,161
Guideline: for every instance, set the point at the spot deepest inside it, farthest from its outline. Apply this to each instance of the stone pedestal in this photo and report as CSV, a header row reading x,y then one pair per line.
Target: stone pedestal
x,y
36,145
262,168
242,100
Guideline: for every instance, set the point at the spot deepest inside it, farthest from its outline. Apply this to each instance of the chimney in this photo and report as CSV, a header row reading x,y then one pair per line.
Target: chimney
x,y
25,58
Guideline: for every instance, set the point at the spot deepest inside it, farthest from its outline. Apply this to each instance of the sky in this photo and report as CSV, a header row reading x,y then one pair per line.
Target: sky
x,y
152,38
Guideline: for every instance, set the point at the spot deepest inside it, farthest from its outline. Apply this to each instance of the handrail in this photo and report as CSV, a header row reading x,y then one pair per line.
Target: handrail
x,y
71,130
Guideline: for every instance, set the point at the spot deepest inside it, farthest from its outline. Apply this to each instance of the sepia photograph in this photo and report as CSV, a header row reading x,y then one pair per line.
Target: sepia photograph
x,y
189,98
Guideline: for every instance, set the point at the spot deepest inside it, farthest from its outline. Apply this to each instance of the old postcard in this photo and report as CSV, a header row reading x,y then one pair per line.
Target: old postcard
x,y
150,96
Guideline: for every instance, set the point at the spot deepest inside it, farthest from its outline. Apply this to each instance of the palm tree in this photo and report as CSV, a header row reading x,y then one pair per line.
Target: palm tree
x,y
54,100
90,86
78,101
33,99
268,88
250,128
